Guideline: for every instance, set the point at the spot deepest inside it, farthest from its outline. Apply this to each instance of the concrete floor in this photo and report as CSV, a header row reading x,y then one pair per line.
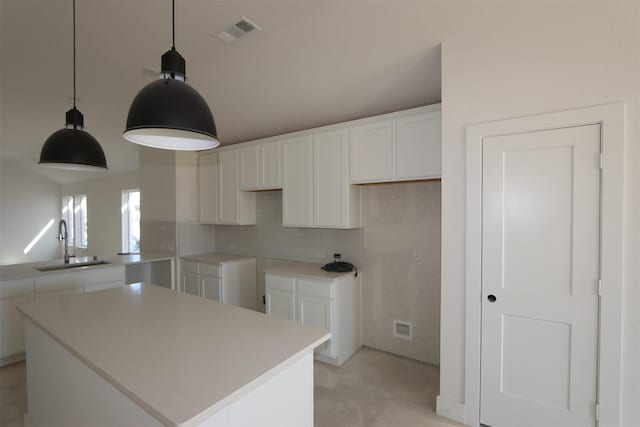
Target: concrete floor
x,y
377,389
372,389
13,394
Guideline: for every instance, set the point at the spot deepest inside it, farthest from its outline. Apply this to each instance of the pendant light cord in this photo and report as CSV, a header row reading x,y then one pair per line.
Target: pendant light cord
x,y
173,23
74,54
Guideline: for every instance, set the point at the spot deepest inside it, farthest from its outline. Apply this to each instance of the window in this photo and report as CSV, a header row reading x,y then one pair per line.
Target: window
x,y
74,212
131,221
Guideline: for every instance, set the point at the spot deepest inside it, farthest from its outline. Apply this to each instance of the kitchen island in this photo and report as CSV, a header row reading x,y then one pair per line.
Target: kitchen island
x,y
143,355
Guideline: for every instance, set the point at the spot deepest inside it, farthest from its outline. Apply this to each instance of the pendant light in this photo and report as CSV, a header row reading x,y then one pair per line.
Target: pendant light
x,y
72,147
170,114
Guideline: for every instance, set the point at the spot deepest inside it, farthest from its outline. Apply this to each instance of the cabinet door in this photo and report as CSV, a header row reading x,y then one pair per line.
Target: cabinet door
x,y
190,283
208,187
418,147
211,288
249,168
297,185
371,152
331,182
270,171
228,189
315,311
280,304
13,293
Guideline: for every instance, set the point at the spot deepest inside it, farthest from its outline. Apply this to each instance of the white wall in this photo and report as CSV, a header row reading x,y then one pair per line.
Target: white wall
x,y
506,60
28,202
104,217
157,184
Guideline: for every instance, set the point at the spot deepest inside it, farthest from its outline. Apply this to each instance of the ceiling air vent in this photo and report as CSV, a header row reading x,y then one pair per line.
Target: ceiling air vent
x,y
238,30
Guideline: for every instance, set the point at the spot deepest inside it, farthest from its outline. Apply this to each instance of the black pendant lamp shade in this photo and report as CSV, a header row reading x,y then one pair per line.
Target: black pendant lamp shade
x,y
73,148
170,114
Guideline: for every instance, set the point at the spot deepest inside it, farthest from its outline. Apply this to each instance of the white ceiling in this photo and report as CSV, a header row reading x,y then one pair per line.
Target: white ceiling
x,y
313,63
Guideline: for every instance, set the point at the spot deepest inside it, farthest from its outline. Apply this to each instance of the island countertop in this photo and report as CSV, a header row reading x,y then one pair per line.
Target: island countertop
x,y
179,357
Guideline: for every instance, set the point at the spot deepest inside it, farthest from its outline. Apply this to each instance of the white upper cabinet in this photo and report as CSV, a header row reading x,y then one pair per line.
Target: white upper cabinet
x,y
228,192
316,188
418,147
249,168
372,152
297,182
403,148
269,165
208,187
221,199
260,167
336,201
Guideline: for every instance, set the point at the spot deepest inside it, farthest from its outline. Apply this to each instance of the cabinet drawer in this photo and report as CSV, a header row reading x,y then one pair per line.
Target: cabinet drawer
x,y
316,288
210,270
283,283
189,267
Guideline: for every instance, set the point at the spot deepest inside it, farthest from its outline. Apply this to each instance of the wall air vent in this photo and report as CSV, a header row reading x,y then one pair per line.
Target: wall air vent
x,y
237,30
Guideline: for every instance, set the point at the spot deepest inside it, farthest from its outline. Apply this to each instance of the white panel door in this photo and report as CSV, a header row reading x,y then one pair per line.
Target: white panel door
x,y
249,168
371,152
540,269
208,187
297,182
228,188
331,181
270,175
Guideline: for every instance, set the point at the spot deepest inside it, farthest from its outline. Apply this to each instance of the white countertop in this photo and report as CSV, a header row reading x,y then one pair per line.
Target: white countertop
x,y
178,356
215,258
28,270
303,269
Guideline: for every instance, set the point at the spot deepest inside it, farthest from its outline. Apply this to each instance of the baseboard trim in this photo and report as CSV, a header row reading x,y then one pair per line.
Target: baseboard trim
x,y
450,409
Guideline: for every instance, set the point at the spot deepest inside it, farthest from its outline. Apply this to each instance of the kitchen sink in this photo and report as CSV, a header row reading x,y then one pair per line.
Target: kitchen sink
x,y
71,265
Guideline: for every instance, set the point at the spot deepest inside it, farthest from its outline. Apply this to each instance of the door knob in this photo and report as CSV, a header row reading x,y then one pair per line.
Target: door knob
x,y
491,298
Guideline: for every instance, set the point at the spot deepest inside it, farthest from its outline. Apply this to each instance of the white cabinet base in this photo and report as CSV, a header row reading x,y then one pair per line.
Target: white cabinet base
x,y
281,398
330,304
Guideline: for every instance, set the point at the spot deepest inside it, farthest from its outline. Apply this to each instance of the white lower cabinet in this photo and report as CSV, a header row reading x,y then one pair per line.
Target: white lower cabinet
x,y
212,287
333,305
76,282
12,293
20,291
226,282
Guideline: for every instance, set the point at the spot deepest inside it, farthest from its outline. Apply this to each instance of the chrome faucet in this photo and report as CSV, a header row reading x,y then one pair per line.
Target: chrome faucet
x,y
64,237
